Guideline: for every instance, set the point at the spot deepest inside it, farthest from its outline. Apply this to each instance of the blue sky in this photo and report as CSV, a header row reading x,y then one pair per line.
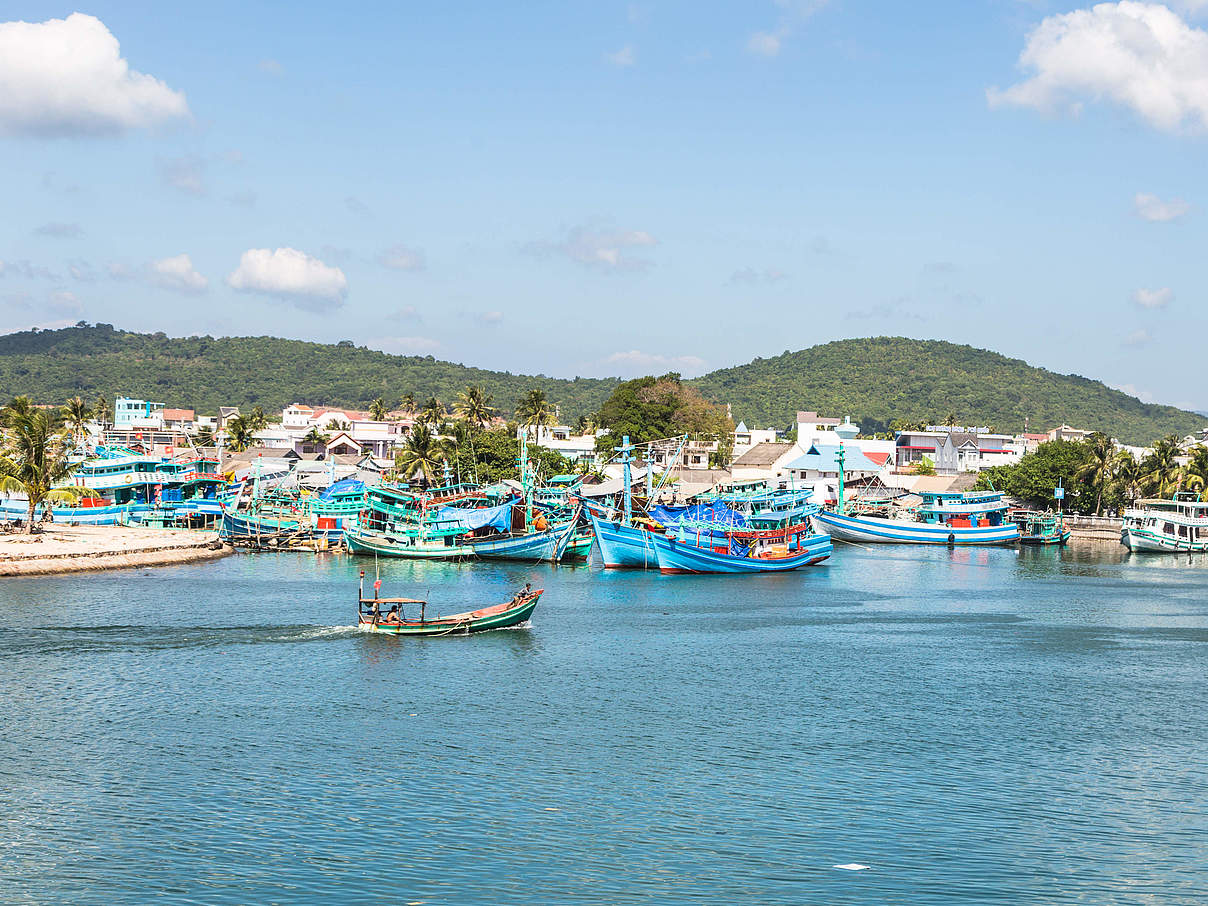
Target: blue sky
x,y
618,188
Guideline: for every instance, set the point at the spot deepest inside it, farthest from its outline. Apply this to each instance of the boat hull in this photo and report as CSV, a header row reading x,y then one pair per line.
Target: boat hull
x,y
1141,541
361,542
501,616
535,547
678,557
623,546
1061,538
878,530
244,526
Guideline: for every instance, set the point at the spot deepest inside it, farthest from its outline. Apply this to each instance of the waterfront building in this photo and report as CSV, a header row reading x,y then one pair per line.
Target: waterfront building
x,y
1065,432
129,413
955,449
560,439
746,439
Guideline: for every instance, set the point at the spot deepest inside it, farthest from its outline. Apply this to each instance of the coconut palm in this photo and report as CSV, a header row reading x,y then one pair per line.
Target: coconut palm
x,y
535,410
239,434
33,458
76,413
204,437
1160,469
1126,475
408,403
101,410
378,410
315,438
256,419
1195,473
473,406
1099,468
340,425
422,455
433,411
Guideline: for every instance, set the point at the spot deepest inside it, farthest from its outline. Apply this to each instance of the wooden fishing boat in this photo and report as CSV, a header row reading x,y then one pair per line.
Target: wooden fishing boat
x,y
1040,528
411,544
372,617
741,552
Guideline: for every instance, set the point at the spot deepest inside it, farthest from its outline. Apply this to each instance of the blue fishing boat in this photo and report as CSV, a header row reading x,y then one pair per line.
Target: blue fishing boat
x,y
623,546
740,552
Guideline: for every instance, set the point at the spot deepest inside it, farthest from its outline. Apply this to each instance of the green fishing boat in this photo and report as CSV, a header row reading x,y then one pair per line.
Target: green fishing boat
x,y
1040,528
387,615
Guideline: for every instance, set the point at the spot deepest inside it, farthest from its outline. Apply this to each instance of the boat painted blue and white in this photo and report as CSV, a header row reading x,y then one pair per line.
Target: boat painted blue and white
x,y
742,553
623,546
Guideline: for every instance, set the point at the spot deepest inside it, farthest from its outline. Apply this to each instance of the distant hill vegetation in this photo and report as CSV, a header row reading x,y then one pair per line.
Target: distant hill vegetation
x,y
873,380
207,372
879,379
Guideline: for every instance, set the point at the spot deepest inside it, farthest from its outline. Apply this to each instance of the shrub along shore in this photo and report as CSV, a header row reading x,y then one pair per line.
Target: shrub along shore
x,y
79,548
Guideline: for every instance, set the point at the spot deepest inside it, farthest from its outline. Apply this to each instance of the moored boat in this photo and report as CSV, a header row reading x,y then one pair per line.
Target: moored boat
x,y
1167,526
942,518
1040,528
740,552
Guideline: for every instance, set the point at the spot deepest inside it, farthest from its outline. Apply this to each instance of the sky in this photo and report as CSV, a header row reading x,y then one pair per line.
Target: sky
x,y
618,188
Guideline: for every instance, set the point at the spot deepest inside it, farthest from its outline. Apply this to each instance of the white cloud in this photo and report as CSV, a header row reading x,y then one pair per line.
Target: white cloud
x,y
793,13
1140,337
66,77
81,271
23,268
271,67
489,318
1153,209
291,275
636,362
61,230
177,274
626,56
119,271
184,173
406,313
750,276
1153,298
401,258
406,344
63,303
604,249
1141,56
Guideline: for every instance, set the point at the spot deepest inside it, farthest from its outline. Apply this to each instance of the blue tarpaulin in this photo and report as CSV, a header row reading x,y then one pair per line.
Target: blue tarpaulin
x,y
343,486
496,517
715,513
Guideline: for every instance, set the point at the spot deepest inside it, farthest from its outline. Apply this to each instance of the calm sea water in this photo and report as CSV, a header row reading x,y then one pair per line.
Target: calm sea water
x,y
976,726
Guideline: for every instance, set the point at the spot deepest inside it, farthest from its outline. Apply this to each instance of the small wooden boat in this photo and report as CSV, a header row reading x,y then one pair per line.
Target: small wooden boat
x,y
741,552
387,615
1040,528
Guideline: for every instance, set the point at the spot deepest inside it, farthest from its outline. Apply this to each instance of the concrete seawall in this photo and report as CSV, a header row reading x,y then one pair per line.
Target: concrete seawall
x,y
63,549
1095,528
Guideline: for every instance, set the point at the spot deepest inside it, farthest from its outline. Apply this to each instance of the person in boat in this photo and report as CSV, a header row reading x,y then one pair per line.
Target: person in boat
x,y
393,617
523,593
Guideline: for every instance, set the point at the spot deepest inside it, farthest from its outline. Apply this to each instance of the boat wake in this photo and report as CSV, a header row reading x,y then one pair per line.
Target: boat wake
x,y
57,639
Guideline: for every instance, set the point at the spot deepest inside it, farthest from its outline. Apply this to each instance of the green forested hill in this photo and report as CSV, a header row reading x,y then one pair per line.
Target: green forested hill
x,y
879,379
873,380
205,372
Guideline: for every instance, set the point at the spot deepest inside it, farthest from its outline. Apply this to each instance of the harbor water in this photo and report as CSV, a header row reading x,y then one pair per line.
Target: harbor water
x,y
898,725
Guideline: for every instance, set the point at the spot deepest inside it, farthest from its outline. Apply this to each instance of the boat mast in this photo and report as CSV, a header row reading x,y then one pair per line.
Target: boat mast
x,y
524,480
627,474
839,457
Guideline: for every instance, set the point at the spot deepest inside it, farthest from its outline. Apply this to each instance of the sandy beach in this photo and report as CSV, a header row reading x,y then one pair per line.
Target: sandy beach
x,y
63,548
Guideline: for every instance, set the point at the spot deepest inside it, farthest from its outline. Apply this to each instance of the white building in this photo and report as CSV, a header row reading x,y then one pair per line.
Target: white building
x,y
746,439
561,440
132,414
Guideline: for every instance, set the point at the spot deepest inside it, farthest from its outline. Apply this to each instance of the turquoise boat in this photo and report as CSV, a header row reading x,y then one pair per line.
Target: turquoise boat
x,y
1040,528
739,552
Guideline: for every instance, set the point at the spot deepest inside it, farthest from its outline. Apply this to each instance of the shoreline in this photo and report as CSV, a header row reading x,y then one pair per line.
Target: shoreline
x,y
91,548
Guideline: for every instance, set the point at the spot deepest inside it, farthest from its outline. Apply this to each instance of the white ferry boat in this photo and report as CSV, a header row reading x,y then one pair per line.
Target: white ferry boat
x,y
1178,524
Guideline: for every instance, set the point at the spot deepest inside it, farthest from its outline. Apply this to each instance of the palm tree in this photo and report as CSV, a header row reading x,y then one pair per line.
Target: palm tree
x,y
1195,473
101,410
33,458
378,410
950,420
340,425
256,419
239,434
423,455
76,413
433,411
315,438
1099,469
473,406
535,410
1160,469
408,403
204,436
1127,475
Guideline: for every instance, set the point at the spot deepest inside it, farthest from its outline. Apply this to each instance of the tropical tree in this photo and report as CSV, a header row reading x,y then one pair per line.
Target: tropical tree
x,y
76,413
422,456
101,410
316,438
473,406
1127,476
33,458
1160,469
534,409
204,436
950,420
1195,473
432,412
408,403
239,434
378,410
1100,467
256,419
